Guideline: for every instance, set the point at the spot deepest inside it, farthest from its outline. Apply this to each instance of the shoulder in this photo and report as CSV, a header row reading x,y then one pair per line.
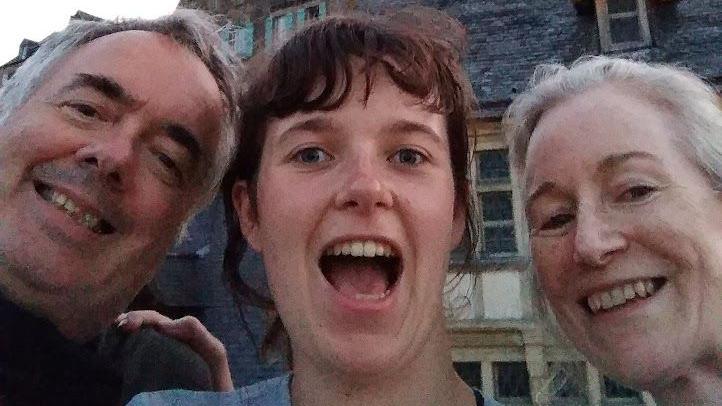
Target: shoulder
x,y
272,392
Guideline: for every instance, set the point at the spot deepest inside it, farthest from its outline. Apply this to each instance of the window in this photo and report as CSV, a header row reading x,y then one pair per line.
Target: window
x,y
568,383
239,37
290,15
470,372
511,380
618,394
493,185
623,24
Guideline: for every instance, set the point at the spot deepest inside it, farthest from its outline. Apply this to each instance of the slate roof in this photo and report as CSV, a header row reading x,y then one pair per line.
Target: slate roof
x,y
508,38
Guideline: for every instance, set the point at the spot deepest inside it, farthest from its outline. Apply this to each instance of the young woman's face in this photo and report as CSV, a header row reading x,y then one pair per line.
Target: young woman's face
x,y
626,235
355,221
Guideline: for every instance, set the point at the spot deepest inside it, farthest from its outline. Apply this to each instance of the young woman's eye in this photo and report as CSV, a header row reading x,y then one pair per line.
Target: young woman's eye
x,y
311,155
556,221
407,156
636,193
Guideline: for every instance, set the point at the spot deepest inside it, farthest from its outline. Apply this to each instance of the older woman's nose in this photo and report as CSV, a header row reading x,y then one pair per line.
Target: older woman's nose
x,y
597,239
364,190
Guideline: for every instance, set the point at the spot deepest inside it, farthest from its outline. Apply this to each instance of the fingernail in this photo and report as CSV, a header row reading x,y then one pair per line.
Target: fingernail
x,y
122,323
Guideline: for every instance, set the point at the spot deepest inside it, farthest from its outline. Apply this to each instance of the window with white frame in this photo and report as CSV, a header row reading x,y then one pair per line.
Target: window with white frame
x,y
281,24
469,372
494,191
623,24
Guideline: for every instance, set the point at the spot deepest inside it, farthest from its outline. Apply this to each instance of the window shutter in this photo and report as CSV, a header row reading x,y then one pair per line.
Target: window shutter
x,y
300,17
322,10
268,35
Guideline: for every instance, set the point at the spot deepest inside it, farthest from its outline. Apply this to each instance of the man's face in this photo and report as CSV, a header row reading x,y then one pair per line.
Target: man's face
x,y
100,167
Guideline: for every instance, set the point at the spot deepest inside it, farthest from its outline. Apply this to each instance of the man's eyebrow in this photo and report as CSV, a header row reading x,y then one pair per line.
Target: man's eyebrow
x,y
103,84
184,137
406,127
611,161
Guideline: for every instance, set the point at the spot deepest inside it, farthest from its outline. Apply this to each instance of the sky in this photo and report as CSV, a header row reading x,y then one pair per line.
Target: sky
x,y
36,19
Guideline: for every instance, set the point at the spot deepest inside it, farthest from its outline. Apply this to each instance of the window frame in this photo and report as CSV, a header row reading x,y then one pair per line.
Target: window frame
x,y
604,20
297,14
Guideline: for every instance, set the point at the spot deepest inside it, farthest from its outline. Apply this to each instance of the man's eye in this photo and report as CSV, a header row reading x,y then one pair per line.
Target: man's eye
x,y
637,193
556,221
311,155
83,110
408,156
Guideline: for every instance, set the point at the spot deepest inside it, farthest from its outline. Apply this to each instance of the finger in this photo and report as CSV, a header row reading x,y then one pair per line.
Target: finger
x,y
132,321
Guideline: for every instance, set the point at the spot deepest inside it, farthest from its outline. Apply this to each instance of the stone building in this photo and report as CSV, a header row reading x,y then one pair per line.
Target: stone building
x,y
499,344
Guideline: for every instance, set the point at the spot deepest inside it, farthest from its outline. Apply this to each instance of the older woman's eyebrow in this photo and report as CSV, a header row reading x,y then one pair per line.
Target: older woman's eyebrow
x,y
614,160
537,193
105,85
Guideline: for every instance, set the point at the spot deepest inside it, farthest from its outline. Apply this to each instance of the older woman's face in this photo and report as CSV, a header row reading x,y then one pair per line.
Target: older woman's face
x,y
626,235
355,223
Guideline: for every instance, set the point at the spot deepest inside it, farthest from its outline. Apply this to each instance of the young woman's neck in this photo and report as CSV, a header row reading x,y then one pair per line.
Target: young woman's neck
x,y
429,379
701,385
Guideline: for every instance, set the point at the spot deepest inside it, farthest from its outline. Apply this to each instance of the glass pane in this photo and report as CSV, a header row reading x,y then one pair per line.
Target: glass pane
x,y
568,380
613,389
497,206
312,13
621,6
493,165
625,29
512,380
470,372
499,239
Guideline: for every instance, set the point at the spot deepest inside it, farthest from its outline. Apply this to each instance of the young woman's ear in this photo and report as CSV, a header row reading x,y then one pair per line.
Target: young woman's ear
x,y
246,212
459,224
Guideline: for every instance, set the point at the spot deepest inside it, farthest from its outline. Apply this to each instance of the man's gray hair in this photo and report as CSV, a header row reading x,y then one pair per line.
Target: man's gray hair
x,y
696,104
195,30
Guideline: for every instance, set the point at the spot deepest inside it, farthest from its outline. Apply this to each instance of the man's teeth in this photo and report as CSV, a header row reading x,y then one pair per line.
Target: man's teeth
x,y
361,249
64,203
619,295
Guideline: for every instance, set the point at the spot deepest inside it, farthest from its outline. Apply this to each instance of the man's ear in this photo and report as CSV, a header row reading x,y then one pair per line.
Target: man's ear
x,y
246,212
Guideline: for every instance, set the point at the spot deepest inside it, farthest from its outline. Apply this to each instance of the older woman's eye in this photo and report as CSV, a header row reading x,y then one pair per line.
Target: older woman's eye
x,y
637,193
311,155
557,221
408,156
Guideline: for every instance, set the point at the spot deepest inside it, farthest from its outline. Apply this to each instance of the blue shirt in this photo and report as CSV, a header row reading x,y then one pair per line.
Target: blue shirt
x,y
272,392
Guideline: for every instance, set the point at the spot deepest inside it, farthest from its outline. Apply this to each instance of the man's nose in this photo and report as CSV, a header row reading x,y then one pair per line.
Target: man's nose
x,y
365,188
111,157
597,237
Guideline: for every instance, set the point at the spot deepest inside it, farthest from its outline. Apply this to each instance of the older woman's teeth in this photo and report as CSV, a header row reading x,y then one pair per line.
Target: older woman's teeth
x,y
619,295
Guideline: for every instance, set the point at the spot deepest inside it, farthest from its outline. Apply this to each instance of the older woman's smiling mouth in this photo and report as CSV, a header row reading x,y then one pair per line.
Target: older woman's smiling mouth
x,y
618,296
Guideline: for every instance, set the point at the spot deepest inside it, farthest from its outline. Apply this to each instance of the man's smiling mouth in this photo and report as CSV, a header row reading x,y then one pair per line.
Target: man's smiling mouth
x,y
363,270
72,209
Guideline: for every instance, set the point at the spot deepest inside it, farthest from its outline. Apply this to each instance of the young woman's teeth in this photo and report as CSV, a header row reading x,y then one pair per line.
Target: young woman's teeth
x,y
619,295
361,249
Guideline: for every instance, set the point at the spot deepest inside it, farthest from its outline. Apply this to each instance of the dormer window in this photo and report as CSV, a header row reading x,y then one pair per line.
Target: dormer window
x,y
623,24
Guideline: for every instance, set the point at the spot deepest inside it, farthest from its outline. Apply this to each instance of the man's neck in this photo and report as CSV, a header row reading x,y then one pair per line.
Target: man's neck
x,y
429,379
61,310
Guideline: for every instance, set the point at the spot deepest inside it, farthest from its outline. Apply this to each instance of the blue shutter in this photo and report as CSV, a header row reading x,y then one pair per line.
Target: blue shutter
x,y
244,41
287,21
300,17
322,10
268,38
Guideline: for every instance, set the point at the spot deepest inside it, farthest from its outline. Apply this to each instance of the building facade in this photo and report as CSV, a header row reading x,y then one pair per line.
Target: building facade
x,y
500,344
